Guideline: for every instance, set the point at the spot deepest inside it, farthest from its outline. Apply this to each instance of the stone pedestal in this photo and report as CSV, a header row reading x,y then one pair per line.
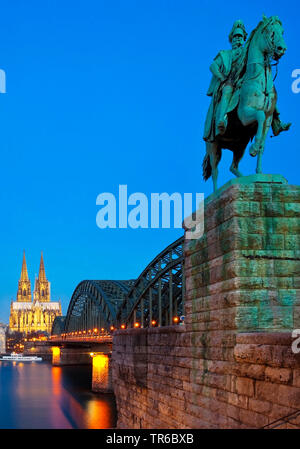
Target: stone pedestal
x,y
243,276
244,273
231,365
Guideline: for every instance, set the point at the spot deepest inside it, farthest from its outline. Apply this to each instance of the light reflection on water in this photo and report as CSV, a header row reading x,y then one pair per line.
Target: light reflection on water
x,y
39,395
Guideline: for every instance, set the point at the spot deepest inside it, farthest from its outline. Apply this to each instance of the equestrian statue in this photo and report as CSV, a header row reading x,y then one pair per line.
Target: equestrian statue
x,y
243,104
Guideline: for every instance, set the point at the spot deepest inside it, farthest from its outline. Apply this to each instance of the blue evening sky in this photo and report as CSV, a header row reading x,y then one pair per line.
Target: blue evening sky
x,y
102,93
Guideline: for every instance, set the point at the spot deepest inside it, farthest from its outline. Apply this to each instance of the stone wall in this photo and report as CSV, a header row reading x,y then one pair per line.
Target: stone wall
x,y
230,365
38,348
160,382
268,377
151,369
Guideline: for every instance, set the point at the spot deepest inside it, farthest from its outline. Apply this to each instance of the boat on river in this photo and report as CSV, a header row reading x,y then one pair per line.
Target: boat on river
x,y
13,357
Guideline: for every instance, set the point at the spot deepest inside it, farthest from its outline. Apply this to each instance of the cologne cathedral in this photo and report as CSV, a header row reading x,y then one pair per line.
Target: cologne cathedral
x,y
27,315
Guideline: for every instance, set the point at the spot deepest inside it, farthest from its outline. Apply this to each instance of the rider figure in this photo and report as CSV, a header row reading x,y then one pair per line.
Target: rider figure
x,y
226,69
237,38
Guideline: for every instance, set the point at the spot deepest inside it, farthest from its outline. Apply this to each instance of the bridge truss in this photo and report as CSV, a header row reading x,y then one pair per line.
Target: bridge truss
x,y
94,304
156,298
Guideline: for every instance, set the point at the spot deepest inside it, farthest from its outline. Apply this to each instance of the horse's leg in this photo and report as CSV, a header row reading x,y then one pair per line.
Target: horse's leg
x,y
237,156
263,140
248,115
211,149
256,146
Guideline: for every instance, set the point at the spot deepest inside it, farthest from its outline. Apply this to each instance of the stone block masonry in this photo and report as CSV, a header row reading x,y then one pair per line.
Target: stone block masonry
x,y
231,364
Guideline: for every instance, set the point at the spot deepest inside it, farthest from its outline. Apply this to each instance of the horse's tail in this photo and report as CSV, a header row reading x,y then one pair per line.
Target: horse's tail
x,y
206,173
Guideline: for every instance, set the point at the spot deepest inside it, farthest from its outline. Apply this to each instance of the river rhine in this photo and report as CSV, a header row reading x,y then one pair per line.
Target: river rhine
x,y
41,396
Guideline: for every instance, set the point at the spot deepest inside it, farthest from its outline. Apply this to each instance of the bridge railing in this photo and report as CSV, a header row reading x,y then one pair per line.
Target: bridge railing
x,y
82,336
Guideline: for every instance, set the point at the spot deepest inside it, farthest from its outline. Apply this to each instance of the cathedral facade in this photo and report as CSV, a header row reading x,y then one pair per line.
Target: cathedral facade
x,y
29,314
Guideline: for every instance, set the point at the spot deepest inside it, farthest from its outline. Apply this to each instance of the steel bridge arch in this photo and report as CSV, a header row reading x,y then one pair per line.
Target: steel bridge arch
x,y
94,304
158,293
58,325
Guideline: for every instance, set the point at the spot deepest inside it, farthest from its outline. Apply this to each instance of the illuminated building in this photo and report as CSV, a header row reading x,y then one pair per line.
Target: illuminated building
x,y
2,338
27,315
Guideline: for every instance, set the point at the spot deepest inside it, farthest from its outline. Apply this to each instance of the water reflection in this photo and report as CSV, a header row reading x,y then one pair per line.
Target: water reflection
x,y
99,415
39,395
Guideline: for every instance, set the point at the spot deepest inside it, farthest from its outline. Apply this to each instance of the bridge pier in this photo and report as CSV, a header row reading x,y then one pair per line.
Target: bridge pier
x,y
101,375
70,356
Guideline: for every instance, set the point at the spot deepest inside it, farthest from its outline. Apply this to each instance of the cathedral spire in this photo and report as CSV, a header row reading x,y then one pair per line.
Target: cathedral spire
x,y
24,288
42,273
24,272
42,285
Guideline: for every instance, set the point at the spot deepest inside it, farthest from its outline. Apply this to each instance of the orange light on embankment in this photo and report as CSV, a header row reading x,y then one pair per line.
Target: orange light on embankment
x,y
55,355
136,325
100,372
102,329
100,361
153,323
55,351
176,319
112,328
123,326
95,330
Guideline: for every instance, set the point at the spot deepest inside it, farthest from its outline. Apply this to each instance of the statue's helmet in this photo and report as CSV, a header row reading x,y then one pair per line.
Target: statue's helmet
x,y
238,29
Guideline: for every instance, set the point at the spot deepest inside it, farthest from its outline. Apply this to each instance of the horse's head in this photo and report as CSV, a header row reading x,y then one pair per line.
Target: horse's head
x,y
273,32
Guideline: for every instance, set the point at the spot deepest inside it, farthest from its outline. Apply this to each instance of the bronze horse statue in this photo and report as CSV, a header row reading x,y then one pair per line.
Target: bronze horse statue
x,y
255,101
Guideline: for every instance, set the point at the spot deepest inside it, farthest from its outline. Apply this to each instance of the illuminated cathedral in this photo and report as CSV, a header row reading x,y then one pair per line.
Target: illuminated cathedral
x,y
27,315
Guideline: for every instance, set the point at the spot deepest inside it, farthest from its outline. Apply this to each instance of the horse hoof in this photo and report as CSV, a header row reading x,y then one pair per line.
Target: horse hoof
x,y
253,150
